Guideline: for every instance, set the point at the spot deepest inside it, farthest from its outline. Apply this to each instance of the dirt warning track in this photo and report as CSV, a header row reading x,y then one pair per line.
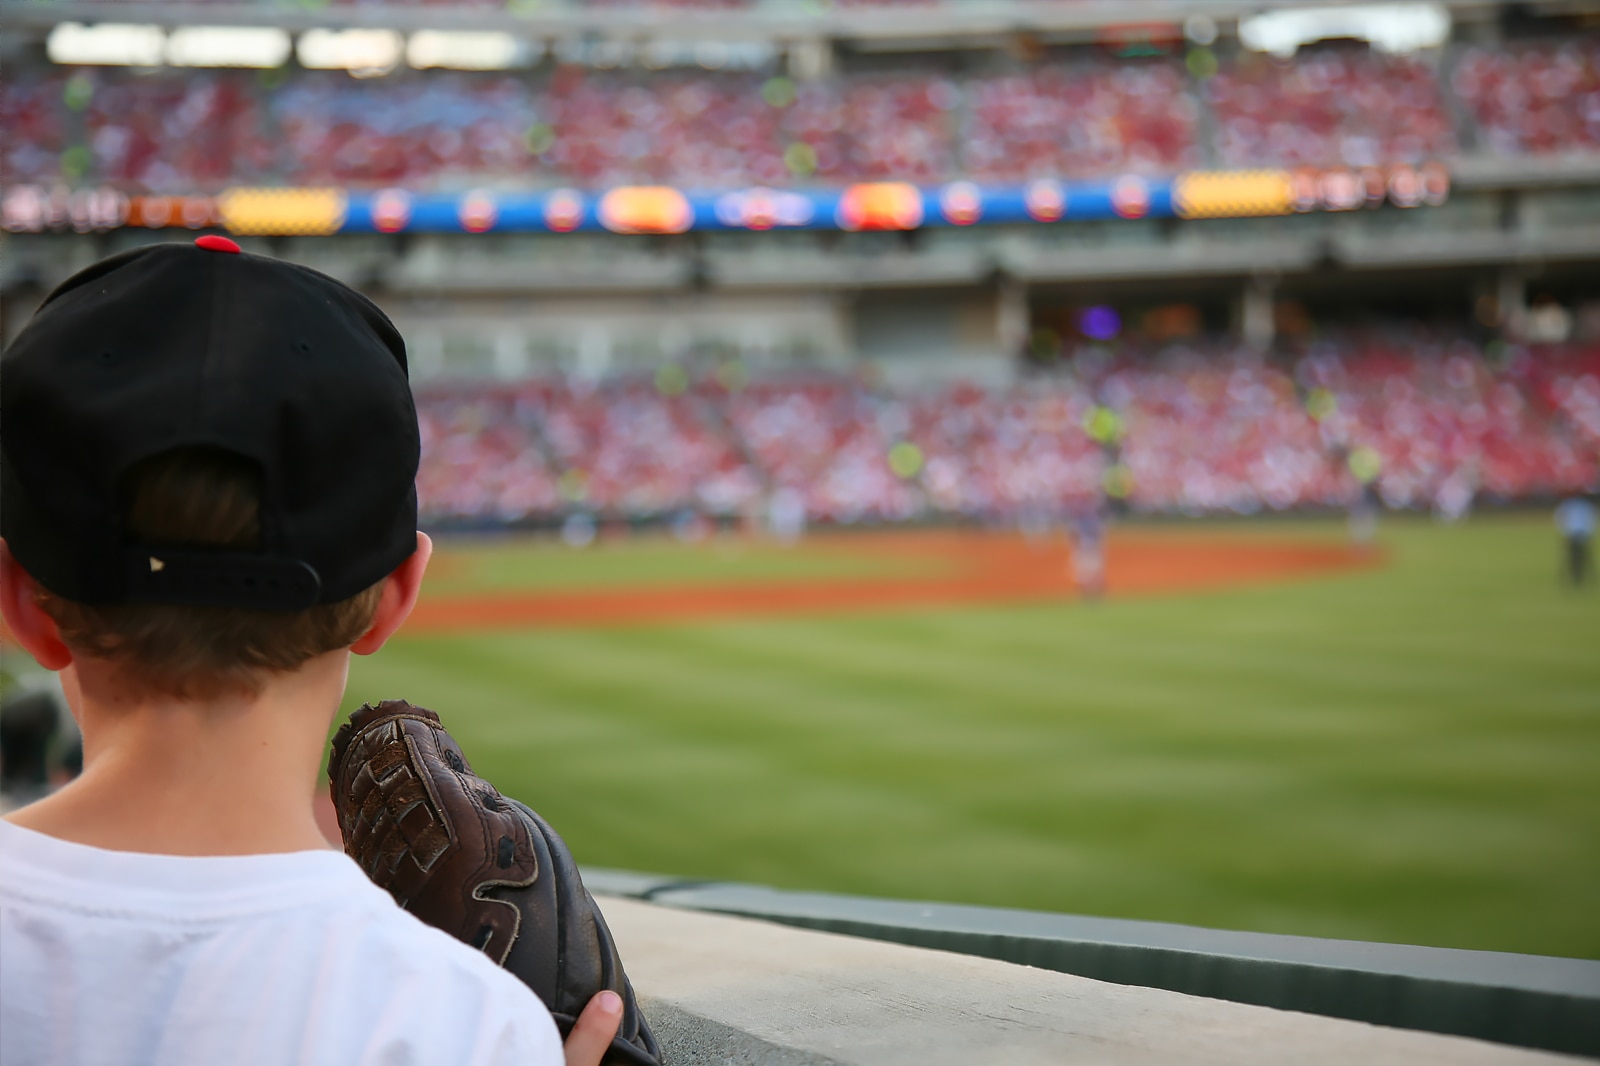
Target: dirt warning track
x,y
962,569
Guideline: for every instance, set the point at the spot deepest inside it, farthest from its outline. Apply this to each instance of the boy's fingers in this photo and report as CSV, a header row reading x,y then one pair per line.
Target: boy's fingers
x,y
592,1032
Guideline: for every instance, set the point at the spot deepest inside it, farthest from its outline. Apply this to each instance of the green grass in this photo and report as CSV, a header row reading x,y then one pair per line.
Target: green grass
x,y
497,564
1410,754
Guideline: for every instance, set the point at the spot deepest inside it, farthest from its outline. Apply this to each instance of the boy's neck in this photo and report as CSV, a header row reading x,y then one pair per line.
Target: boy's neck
x,y
231,776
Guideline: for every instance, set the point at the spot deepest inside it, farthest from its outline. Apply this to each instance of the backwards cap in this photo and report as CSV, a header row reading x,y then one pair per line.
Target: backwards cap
x,y
177,346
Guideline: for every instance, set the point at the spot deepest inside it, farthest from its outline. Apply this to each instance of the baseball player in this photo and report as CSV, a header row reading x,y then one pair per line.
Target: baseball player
x,y
207,460
1576,518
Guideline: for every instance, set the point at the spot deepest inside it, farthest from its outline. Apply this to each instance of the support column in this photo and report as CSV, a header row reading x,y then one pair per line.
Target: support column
x,y
811,59
1011,319
844,318
594,351
1511,294
1255,314
510,355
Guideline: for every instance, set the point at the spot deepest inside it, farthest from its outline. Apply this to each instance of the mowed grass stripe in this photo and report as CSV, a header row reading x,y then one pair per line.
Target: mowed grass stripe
x,y
1406,754
504,564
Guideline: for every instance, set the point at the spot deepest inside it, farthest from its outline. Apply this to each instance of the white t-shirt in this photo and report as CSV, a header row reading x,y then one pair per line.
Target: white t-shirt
x,y
110,957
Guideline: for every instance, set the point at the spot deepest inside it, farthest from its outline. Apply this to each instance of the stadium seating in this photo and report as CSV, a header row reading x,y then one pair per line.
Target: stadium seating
x,y
34,120
182,131
482,460
1206,433
413,131
1349,107
631,449
156,132
601,130
1077,121
1436,412
1564,383
1533,98
829,440
1015,454
1199,428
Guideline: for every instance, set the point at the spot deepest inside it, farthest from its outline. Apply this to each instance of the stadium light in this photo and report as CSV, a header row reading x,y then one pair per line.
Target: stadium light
x,y
364,53
658,55
712,55
266,47
118,44
467,51
1395,28
1200,29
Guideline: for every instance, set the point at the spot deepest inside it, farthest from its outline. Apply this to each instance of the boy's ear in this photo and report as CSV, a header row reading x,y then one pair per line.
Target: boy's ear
x,y
32,628
400,590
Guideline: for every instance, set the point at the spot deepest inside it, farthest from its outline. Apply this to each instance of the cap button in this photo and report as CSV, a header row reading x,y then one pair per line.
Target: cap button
x,y
211,242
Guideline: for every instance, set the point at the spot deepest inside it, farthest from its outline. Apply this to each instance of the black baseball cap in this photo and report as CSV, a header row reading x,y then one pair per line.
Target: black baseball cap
x,y
203,346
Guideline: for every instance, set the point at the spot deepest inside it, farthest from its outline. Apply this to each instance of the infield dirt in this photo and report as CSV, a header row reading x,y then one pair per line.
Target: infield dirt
x,y
960,567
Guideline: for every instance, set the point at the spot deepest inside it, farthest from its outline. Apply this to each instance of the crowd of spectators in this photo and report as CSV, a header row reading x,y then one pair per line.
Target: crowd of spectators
x,y
507,454
425,131
1358,108
35,143
1564,383
1013,454
828,440
482,458
698,132
1440,419
1533,99
1214,434
1080,121
187,131
1427,423
629,447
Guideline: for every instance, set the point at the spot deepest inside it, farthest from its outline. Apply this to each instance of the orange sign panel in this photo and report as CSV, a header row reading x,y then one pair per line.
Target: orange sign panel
x,y
880,205
645,209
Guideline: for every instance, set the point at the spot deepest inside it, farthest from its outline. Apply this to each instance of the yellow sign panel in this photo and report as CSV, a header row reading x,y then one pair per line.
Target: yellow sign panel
x,y
282,212
1233,194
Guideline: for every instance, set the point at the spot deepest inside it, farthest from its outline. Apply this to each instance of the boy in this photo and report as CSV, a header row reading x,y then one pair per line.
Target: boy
x,y
207,461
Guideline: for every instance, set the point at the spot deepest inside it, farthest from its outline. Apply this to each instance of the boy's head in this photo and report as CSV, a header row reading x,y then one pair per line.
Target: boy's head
x,y
208,463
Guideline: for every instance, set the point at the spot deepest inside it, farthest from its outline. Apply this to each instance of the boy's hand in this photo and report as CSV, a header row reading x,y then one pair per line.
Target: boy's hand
x,y
593,1031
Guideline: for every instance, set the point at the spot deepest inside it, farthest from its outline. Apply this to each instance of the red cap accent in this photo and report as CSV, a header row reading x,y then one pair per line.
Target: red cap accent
x,y
211,242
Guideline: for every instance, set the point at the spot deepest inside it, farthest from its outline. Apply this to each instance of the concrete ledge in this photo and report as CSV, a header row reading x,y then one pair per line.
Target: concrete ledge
x,y
691,1040
722,990
1526,1000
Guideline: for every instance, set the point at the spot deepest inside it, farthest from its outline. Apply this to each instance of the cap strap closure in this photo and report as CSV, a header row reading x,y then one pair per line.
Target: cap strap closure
x,y
219,579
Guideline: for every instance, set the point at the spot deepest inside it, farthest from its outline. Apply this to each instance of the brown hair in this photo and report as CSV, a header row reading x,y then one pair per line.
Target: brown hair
x,y
211,498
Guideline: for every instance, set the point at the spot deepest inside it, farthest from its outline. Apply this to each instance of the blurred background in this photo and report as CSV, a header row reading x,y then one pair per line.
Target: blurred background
x,y
1012,329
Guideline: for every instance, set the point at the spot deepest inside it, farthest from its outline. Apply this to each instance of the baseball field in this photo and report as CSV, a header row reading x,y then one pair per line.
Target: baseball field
x,y
1256,729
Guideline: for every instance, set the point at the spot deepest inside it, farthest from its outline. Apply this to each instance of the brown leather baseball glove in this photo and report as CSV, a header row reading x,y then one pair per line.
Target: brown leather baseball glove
x,y
485,869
